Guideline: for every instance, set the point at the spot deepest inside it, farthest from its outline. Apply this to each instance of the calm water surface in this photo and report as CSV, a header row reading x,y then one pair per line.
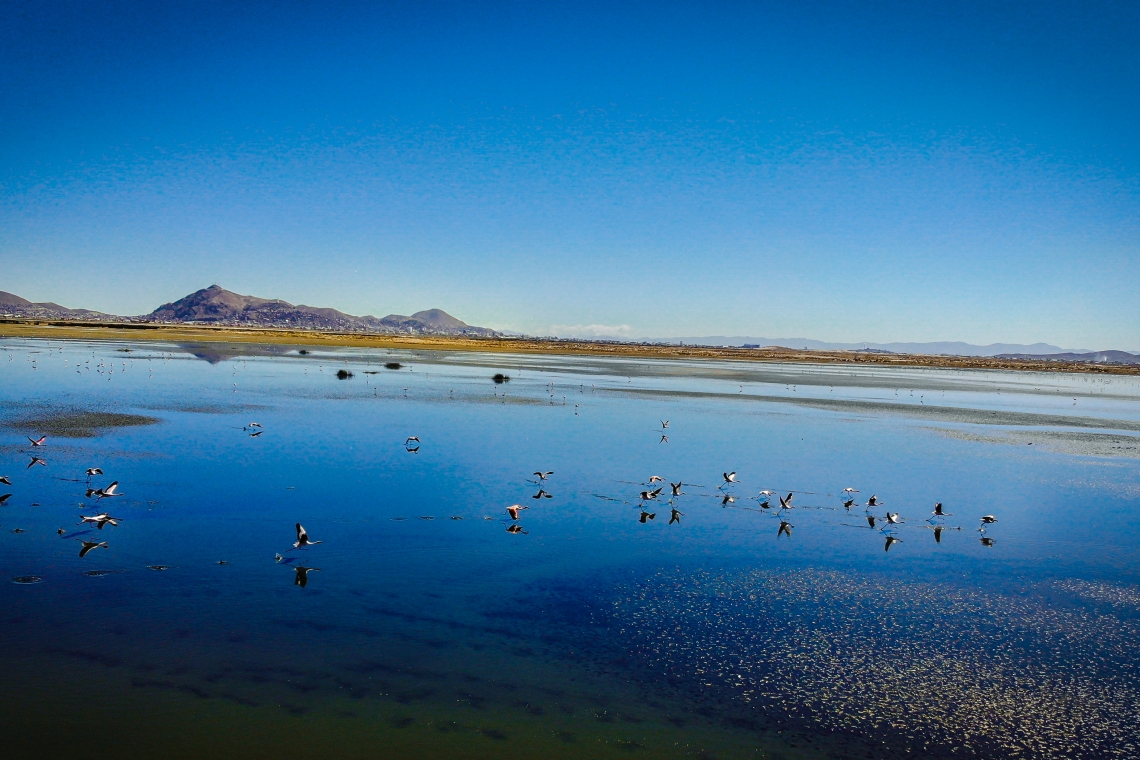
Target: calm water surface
x,y
424,627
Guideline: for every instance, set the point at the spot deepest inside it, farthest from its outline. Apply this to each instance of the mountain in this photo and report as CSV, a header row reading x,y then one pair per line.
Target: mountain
x,y
14,306
950,348
215,305
1090,357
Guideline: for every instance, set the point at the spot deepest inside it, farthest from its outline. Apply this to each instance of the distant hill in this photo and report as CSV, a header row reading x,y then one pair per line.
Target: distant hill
x,y
12,305
215,305
949,348
1091,357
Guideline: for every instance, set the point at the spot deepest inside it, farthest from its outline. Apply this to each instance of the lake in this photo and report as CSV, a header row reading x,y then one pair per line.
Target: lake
x,y
429,623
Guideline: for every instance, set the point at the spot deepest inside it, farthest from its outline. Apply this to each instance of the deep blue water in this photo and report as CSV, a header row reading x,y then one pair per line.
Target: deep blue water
x,y
591,632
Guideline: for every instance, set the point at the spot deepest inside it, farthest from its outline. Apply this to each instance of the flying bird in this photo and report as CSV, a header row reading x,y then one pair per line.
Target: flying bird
x,y
108,492
893,519
4,480
514,510
411,438
303,539
873,502
89,545
664,424
656,479
850,490
544,475
676,488
42,440
100,520
848,503
647,495
91,471
729,477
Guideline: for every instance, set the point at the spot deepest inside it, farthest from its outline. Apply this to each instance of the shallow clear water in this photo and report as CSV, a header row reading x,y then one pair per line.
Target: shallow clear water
x,y
593,632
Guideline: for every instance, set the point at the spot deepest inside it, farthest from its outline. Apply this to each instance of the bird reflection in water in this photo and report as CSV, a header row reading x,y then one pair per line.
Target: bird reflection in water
x,y
302,575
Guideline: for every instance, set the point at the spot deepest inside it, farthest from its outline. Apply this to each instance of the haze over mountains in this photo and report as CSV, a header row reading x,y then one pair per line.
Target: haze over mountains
x,y
216,306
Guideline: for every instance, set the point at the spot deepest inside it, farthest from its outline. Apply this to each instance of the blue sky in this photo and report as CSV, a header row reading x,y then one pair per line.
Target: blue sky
x,y
840,171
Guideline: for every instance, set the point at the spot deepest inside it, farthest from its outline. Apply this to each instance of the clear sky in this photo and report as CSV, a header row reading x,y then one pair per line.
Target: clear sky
x,y
836,170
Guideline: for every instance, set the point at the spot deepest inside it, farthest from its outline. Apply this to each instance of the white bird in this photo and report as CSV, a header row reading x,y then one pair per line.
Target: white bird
x,y
514,510
544,475
893,518
850,490
411,438
303,539
109,491
93,471
100,520
767,493
873,502
989,519
786,502
656,479
664,424
254,424
647,495
4,480
676,488
729,477
938,511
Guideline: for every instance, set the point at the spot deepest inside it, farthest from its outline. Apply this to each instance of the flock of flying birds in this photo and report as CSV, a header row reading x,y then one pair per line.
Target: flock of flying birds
x,y
650,494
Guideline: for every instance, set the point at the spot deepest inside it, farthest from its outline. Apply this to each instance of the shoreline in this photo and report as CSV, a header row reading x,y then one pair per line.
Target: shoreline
x,y
111,331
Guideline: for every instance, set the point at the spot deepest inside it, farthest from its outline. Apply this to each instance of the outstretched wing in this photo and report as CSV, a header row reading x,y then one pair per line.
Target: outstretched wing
x,y
302,536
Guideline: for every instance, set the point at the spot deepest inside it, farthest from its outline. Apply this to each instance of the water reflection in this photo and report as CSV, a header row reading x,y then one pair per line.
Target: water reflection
x,y
586,632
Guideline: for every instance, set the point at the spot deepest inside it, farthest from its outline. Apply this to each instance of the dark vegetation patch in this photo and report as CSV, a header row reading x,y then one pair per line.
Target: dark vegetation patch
x,y
78,423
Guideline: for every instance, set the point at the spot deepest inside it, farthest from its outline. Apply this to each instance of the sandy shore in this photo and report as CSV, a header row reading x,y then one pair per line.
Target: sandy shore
x,y
60,330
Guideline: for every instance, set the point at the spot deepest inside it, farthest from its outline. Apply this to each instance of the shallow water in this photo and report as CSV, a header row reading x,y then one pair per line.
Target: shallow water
x,y
594,631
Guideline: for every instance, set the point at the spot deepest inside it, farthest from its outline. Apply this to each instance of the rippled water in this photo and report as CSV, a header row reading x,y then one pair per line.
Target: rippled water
x,y
424,627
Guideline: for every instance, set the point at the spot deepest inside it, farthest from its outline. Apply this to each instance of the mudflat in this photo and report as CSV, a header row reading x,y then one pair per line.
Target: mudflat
x,y
65,330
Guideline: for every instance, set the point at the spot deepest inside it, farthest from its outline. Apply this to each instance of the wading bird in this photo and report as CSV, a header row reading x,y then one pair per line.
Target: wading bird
x,y
42,440
92,471
676,488
850,490
89,545
303,541
656,479
544,475
729,477
874,502
100,520
108,492
514,510
647,495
